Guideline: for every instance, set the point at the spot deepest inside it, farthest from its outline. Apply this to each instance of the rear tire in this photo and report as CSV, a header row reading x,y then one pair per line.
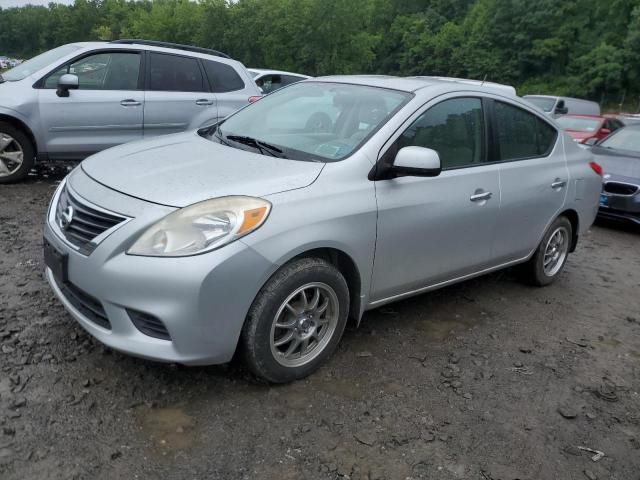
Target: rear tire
x,y
17,154
296,321
551,255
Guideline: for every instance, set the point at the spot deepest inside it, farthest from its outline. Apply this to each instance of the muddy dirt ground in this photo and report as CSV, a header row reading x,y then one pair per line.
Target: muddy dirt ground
x,y
489,379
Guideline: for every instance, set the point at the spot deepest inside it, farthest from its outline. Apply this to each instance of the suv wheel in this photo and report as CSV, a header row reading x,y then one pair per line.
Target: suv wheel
x,y
17,154
551,255
296,321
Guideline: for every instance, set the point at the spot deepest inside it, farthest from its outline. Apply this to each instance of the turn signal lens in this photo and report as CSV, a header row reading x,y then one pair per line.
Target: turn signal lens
x,y
252,218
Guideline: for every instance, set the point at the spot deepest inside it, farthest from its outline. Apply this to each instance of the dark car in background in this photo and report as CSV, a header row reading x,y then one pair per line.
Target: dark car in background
x,y
619,156
581,128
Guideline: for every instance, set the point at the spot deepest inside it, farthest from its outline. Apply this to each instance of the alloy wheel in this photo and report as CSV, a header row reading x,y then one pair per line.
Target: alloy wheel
x,y
304,324
11,155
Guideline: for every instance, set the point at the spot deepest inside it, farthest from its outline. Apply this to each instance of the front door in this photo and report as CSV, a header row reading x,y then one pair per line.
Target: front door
x,y
105,111
435,229
177,92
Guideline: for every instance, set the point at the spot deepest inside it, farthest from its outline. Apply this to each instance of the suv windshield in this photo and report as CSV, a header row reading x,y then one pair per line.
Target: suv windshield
x,y
624,139
312,120
38,63
545,104
579,124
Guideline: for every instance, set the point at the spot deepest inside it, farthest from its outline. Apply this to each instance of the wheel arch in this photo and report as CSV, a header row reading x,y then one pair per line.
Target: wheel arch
x,y
349,269
17,123
573,217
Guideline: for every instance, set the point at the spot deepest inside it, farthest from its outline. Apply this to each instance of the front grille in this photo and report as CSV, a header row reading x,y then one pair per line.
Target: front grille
x,y
620,188
88,306
149,325
79,223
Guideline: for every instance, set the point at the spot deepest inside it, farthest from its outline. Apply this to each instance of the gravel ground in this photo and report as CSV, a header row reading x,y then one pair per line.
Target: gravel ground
x,y
488,379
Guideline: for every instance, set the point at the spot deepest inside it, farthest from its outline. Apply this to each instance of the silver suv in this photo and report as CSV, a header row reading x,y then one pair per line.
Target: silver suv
x,y
278,226
80,98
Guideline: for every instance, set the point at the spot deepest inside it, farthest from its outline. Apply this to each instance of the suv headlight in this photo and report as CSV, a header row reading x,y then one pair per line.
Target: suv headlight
x,y
202,227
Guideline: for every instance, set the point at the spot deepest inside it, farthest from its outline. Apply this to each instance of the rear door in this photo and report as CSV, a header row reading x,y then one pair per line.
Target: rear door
x,y
105,110
533,179
435,229
176,93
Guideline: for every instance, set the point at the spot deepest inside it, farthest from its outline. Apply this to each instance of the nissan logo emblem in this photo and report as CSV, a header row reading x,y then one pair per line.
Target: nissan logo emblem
x,y
66,216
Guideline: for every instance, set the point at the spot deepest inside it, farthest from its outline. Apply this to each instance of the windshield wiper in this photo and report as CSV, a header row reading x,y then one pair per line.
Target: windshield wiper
x,y
258,144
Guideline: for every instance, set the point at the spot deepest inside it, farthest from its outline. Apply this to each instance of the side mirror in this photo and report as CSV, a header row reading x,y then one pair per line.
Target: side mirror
x,y
67,82
561,108
591,141
417,162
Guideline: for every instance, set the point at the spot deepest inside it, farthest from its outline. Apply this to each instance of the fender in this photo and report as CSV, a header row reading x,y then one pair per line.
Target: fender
x,y
13,116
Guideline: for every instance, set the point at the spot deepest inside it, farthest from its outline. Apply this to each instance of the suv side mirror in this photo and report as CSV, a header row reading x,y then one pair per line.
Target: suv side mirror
x,y
417,162
67,82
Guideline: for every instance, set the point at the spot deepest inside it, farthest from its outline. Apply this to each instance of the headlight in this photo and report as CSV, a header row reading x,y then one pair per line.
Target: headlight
x,y
202,227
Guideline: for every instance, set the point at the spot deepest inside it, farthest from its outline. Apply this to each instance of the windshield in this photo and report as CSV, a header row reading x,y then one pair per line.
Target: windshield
x,y
624,139
38,63
312,120
579,124
545,104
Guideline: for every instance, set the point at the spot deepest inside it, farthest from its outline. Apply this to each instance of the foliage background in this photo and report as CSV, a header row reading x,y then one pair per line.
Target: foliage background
x,y
583,48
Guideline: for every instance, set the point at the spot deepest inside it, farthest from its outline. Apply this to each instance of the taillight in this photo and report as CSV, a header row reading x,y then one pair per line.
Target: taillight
x,y
254,98
596,168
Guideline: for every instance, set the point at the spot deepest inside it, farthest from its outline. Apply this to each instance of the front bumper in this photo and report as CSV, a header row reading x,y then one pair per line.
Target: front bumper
x,y
202,300
624,208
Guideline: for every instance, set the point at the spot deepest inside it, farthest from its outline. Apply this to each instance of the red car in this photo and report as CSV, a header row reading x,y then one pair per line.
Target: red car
x,y
583,127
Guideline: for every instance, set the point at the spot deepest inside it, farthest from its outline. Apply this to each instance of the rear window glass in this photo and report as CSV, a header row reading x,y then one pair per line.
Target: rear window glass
x,y
172,73
522,134
222,77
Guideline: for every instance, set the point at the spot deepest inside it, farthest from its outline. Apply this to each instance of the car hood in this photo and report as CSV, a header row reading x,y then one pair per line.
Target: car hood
x,y
618,163
179,170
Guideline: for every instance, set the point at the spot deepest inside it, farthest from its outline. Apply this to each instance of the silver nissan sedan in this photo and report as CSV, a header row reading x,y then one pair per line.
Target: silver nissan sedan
x,y
266,232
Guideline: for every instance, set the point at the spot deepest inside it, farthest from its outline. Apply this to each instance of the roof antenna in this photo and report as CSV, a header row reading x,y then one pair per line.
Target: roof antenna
x,y
483,80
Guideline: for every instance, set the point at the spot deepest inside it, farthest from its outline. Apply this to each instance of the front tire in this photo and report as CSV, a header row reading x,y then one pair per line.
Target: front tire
x,y
551,255
17,154
296,321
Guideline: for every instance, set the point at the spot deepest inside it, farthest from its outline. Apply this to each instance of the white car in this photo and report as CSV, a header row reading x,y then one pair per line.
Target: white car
x,y
271,80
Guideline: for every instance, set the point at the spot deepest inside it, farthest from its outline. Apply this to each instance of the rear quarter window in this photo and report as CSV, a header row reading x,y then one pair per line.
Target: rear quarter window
x,y
521,134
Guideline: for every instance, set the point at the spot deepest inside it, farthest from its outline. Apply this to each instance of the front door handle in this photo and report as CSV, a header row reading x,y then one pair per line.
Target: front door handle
x,y
204,101
558,183
481,196
130,102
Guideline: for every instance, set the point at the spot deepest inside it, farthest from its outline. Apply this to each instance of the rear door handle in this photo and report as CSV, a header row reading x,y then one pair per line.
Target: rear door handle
x,y
479,197
558,183
204,101
130,102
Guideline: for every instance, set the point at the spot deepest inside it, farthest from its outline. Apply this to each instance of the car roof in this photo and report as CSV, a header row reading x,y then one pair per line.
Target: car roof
x,y
413,84
129,44
263,71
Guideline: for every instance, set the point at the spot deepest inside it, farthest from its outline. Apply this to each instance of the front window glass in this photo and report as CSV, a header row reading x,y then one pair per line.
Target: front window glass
x,y
453,128
102,71
38,63
625,139
579,124
545,104
315,121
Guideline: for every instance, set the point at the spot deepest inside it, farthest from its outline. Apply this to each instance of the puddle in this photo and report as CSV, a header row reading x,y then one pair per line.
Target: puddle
x,y
168,428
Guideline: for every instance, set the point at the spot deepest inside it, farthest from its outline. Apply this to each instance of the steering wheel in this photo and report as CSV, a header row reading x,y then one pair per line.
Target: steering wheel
x,y
318,122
